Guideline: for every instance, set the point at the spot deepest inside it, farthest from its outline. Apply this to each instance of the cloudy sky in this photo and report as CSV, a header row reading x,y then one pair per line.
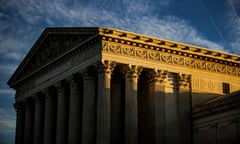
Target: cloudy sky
x,y
214,24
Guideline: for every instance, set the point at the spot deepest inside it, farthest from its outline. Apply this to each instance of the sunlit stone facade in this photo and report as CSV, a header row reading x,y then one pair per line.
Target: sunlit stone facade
x,y
104,85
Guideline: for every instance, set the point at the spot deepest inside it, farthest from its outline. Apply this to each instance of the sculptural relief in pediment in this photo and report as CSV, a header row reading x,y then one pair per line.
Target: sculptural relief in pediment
x,y
53,46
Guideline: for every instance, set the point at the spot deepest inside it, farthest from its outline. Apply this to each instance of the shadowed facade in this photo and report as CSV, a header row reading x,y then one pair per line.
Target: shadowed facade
x,y
104,85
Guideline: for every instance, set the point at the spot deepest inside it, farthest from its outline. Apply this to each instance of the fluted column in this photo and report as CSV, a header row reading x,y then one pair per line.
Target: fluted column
x,y
184,110
159,86
132,73
38,119
49,116
171,110
19,106
104,102
62,113
89,108
117,106
75,110
28,124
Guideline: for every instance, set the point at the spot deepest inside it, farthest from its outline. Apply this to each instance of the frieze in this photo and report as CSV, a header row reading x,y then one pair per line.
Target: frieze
x,y
168,58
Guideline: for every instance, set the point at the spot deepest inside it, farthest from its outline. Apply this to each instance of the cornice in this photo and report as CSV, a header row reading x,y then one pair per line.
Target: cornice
x,y
153,46
162,45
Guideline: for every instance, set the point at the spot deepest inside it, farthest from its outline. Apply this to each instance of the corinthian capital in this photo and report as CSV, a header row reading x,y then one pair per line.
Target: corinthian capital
x,y
159,75
19,105
105,67
131,71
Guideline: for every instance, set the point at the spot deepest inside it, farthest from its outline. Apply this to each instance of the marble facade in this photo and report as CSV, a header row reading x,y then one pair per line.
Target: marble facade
x,y
104,85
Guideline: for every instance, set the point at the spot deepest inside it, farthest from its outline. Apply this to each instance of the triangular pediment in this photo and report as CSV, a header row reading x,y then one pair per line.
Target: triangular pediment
x,y
52,43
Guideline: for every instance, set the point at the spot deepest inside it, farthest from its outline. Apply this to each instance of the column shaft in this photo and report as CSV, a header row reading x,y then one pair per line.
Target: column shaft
x,y
49,117
104,103
184,112
89,110
117,107
172,118
159,79
19,122
62,113
38,120
75,111
145,109
131,108
28,125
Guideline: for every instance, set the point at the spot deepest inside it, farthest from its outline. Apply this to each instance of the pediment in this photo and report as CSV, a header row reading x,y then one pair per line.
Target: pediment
x,y
52,43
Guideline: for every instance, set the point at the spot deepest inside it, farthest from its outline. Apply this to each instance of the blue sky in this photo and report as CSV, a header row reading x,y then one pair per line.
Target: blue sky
x,y
214,24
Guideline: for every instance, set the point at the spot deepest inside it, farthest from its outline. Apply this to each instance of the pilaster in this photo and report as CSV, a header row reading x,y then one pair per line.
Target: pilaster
x,y
132,73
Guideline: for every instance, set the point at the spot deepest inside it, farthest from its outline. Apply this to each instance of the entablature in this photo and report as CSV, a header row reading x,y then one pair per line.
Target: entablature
x,y
167,46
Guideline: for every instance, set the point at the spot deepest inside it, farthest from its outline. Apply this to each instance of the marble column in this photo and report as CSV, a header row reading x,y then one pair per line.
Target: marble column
x,y
89,108
184,108
159,86
104,102
117,106
19,106
28,124
62,112
171,109
49,116
38,119
132,73
75,110
145,108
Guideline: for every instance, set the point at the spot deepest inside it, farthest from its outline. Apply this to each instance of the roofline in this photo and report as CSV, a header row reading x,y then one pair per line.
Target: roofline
x,y
46,31
173,45
149,41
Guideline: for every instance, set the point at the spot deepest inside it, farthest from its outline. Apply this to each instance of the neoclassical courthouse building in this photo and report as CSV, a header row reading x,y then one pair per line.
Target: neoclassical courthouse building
x,y
109,86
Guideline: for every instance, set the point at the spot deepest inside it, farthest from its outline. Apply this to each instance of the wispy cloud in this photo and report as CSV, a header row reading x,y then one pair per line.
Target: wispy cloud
x,y
7,92
134,16
7,68
7,122
233,17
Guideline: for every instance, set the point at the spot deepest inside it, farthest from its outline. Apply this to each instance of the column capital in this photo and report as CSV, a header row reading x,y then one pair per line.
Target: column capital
x,y
88,73
131,71
159,75
105,67
74,80
49,93
184,80
28,102
19,105
62,84
38,98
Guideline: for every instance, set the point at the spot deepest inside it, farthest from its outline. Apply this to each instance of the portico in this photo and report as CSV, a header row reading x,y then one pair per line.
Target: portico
x,y
103,86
